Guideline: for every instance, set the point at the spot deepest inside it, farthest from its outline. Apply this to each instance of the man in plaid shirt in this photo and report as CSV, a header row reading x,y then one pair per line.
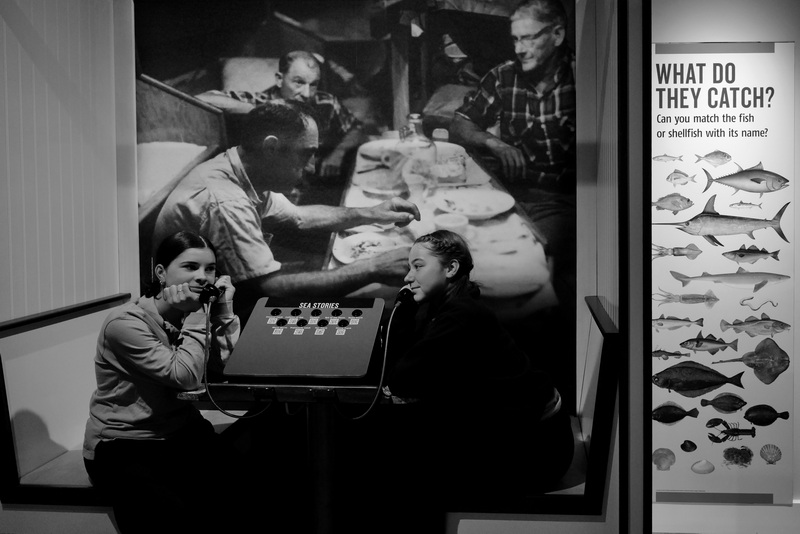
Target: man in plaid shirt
x,y
297,79
532,100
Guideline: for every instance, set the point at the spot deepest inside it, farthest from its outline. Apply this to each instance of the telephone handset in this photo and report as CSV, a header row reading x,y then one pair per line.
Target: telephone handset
x,y
209,294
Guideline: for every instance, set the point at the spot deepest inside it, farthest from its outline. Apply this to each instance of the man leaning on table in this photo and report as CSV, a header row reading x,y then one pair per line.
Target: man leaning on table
x,y
532,100
298,78
237,200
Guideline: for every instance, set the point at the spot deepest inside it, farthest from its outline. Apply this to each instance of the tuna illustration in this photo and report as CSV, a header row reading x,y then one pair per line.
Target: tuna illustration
x,y
725,403
741,278
709,298
678,177
664,355
709,344
753,180
764,415
767,361
673,323
750,254
666,158
715,158
709,224
670,413
673,202
691,251
692,379
754,326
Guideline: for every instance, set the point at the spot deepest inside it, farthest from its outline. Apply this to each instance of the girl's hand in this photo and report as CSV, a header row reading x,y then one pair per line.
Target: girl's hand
x,y
225,284
181,296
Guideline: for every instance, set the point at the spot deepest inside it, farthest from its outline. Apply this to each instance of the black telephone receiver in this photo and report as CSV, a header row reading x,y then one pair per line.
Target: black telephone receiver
x,y
209,291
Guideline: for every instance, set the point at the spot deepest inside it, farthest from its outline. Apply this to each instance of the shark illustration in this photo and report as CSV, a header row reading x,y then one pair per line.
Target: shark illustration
x,y
739,278
709,224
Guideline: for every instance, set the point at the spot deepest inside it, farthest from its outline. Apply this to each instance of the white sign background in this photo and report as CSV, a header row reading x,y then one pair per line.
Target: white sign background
x,y
736,98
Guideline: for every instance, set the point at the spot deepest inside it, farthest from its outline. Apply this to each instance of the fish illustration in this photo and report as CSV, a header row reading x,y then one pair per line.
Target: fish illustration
x,y
709,298
750,254
692,379
678,177
709,224
764,415
664,355
670,413
715,158
754,326
666,158
742,205
741,278
673,323
709,344
754,180
725,403
673,202
767,361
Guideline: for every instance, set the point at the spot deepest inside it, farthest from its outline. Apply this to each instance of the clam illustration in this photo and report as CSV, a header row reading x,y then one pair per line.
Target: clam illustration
x,y
771,453
688,446
663,458
703,467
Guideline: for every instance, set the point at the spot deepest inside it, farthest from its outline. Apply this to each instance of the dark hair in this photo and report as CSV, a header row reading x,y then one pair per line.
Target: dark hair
x,y
287,59
170,248
544,11
285,119
448,246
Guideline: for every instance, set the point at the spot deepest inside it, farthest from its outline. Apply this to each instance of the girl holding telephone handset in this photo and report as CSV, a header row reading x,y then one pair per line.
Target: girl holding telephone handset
x,y
154,455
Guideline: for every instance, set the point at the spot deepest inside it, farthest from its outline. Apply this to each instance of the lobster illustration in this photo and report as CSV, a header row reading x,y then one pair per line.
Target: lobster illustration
x,y
728,431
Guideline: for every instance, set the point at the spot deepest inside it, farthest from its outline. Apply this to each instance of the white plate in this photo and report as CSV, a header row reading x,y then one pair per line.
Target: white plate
x,y
361,246
478,178
476,204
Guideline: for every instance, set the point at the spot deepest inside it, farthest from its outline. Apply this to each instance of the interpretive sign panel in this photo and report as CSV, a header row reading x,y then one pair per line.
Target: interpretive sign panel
x,y
722,272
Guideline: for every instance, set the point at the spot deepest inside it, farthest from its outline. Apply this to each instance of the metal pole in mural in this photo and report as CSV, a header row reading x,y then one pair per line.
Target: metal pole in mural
x,y
722,272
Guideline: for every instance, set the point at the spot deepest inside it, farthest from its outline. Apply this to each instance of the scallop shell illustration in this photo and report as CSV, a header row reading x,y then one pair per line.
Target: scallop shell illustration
x,y
703,467
771,453
663,458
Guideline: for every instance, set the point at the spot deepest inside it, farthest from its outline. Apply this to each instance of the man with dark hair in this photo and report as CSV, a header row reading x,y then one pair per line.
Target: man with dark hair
x,y
298,78
237,200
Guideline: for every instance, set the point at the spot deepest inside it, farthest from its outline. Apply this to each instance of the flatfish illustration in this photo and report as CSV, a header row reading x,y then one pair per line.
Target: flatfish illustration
x,y
725,403
678,177
673,323
673,202
764,415
665,158
709,223
753,326
750,254
692,379
741,278
715,158
753,180
768,361
670,413
709,344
